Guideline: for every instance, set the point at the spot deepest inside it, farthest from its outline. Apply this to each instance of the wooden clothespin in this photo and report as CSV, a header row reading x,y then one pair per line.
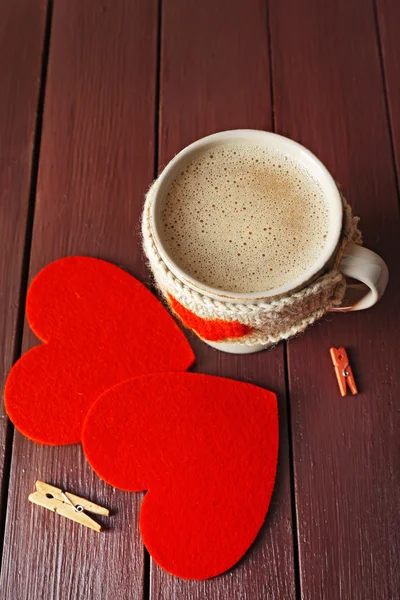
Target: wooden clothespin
x,y
68,505
343,371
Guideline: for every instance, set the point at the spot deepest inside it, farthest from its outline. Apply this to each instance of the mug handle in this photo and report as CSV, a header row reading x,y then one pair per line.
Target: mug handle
x,y
369,268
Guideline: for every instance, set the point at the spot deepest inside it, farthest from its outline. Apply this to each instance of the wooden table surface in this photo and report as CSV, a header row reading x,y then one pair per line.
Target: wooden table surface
x,y
95,97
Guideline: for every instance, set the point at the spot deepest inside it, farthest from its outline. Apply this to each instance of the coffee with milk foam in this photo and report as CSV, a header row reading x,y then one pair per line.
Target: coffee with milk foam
x,y
242,218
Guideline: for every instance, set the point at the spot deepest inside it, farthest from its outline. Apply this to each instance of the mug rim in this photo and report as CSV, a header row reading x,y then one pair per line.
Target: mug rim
x,y
330,189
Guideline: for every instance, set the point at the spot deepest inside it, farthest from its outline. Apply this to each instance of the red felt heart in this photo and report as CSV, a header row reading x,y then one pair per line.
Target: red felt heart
x,y
101,326
213,330
206,449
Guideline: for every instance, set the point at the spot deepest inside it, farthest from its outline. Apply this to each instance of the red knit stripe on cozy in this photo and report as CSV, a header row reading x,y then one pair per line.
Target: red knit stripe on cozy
x,y
213,330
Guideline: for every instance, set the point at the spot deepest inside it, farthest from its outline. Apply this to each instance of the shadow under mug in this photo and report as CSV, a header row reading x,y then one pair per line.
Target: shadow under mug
x,y
357,263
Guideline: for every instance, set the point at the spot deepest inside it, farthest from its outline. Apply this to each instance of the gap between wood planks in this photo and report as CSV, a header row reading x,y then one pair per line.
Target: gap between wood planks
x,y
147,561
296,557
26,257
385,94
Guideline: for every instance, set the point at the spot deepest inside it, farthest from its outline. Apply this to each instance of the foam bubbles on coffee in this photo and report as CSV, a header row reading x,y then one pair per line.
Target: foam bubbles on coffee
x,y
244,218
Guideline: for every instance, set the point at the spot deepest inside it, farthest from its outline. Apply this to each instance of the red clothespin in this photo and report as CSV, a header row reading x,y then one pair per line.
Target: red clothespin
x,y
343,371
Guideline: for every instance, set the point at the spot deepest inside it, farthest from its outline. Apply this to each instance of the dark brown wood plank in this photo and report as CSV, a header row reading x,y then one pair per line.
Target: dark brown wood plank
x,y
215,76
22,28
388,19
329,96
96,161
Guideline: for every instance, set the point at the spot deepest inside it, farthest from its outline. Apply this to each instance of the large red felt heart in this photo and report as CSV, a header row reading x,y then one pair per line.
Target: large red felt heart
x,y
206,450
101,326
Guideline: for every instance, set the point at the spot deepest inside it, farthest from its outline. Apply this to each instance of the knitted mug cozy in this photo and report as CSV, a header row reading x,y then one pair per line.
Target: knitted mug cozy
x,y
264,322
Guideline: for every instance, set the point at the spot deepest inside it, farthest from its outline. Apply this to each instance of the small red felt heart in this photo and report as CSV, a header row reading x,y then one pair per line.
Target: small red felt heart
x,y
100,327
206,450
213,330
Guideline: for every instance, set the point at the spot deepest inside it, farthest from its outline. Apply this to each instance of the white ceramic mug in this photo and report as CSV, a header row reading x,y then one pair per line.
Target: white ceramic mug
x,y
358,262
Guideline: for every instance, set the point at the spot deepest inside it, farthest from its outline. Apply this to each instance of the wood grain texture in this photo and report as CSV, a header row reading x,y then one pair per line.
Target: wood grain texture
x,y
97,158
215,76
22,29
388,18
329,96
